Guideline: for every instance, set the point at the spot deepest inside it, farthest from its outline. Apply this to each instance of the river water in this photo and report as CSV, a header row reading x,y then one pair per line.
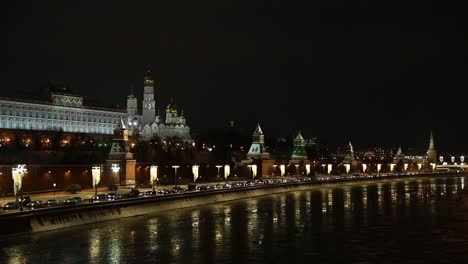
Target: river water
x,y
396,221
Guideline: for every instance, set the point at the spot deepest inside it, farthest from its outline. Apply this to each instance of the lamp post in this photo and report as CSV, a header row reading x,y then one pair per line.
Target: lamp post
x,y
254,171
307,166
282,171
227,171
115,170
54,187
297,169
274,169
250,169
96,173
175,174
195,169
17,174
219,169
153,175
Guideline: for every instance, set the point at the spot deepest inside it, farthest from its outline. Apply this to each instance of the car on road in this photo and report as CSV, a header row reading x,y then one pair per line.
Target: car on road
x,y
111,196
71,201
25,200
192,187
35,204
133,193
52,202
11,206
98,198
78,199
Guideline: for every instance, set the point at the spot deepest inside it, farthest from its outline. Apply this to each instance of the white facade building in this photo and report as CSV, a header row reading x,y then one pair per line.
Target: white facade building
x,y
64,112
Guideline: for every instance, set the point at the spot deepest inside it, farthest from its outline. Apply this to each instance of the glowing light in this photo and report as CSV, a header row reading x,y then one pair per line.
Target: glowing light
x,y
419,166
115,168
329,168
227,171
153,173
282,169
392,167
254,170
307,167
406,166
96,171
195,169
219,169
17,174
364,167
347,167
379,167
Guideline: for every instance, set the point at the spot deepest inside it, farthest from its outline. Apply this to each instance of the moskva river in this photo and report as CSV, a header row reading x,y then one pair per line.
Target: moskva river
x,y
396,221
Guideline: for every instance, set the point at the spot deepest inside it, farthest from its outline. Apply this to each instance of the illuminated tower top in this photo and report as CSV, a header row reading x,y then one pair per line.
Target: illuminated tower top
x,y
299,151
431,152
120,149
258,149
349,156
149,104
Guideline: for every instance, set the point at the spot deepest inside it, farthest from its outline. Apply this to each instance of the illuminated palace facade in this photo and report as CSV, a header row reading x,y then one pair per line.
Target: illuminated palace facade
x,y
149,124
62,111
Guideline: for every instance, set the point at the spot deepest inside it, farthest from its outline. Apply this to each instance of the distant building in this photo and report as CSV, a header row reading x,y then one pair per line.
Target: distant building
x,y
299,151
60,111
149,124
257,149
120,148
431,152
349,156
399,156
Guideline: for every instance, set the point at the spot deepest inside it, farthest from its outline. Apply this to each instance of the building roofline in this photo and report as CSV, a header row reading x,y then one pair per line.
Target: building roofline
x,y
51,104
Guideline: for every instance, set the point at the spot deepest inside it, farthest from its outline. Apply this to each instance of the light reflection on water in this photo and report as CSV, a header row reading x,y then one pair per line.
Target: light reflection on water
x,y
393,221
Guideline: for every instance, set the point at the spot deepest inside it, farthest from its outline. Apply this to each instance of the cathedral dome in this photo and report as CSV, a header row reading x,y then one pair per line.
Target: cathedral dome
x,y
171,107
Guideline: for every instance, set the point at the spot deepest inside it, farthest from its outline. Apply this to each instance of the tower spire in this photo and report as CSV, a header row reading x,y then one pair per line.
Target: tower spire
x,y
148,70
131,89
258,149
431,141
149,104
432,152
258,130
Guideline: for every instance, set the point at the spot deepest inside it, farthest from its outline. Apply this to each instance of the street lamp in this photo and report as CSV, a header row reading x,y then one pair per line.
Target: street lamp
x,y
153,174
307,166
254,171
54,187
297,169
175,174
195,172
274,169
115,170
96,172
219,169
282,170
17,175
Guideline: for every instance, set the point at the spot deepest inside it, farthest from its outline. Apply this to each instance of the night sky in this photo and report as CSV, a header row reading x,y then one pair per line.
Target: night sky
x,y
378,73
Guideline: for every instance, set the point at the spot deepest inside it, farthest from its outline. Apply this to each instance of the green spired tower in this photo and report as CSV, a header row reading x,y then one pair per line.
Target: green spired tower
x,y
299,151
257,149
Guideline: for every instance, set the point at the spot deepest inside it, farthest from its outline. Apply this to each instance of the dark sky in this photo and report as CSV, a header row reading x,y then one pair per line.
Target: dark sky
x,y
376,72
